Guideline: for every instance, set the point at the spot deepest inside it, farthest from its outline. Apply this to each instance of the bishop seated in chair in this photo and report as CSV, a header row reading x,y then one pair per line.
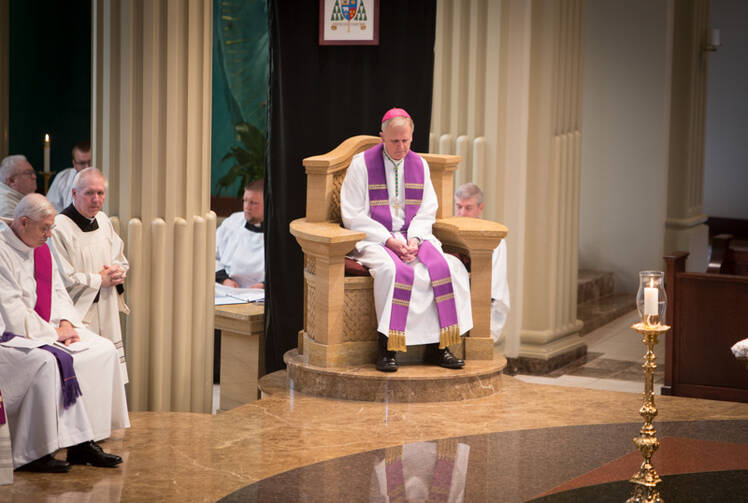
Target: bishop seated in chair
x,y
422,296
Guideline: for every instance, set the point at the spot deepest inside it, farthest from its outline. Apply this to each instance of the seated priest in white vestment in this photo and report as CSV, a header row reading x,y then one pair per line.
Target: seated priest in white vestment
x,y
60,192
90,256
17,178
469,203
240,243
422,296
81,403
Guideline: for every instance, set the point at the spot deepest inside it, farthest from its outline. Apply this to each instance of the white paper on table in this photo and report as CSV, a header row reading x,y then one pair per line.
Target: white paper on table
x,y
227,295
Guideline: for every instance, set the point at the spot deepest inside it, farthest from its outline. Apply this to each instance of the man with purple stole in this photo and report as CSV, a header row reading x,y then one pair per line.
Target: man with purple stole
x,y
82,397
421,295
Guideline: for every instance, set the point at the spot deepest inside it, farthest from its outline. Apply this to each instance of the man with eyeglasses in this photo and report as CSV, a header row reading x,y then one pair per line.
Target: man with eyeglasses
x,y
17,178
40,320
60,193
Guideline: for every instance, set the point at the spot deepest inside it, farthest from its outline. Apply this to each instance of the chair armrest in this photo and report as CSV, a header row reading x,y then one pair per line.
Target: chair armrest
x,y
469,234
324,238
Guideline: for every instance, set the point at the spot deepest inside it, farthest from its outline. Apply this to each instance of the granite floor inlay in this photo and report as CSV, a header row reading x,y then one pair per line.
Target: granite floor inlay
x,y
173,456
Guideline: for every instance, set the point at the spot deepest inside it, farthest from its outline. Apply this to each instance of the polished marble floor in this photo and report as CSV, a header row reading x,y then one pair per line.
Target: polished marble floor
x,y
613,361
536,435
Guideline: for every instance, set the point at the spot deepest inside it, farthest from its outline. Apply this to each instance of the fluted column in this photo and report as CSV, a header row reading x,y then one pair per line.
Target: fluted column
x,y
507,97
151,123
550,329
684,228
4,77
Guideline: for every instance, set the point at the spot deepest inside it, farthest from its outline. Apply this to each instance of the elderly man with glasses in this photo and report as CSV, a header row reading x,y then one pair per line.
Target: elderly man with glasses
x,y
40,318
17,178
60,193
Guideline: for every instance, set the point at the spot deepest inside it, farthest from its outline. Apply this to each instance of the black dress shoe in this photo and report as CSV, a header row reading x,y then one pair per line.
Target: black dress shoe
x,y
386,361
90,453
46,464
445,358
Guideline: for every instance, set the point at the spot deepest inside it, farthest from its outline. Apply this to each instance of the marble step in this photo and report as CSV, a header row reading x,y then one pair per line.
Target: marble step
x,y
593,285
599,312
411,383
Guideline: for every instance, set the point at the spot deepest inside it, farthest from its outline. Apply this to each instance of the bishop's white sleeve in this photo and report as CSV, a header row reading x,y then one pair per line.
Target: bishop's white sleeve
x,y
420,225
20,319
354,203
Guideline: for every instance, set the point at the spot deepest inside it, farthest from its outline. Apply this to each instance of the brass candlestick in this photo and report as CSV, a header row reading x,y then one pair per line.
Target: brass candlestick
x,y
646,479
47,175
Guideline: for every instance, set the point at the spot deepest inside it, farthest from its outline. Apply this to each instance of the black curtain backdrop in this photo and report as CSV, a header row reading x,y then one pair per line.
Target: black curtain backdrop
x,y
319,96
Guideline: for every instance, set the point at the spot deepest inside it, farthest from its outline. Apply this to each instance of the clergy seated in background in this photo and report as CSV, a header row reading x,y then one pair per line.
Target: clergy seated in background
x,y
240,243
36,310
90,257
60,192
17,178
469,203
421,295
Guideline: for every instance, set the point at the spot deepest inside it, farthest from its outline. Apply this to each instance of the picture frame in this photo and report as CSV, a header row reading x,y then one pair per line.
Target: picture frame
x,y
348,22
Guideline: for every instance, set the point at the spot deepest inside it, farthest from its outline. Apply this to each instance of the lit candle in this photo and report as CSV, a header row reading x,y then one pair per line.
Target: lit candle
x,y
47,150
651,298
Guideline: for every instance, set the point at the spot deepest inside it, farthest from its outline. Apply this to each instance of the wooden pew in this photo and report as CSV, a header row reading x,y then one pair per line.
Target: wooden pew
x,y
708,314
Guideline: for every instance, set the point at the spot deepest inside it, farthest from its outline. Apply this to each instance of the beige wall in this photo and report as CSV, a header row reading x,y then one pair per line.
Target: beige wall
x,y
726,164
625,131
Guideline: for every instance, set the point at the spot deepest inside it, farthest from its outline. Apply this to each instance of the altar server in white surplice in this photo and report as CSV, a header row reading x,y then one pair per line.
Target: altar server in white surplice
x,y
60,192
36,309
469,203
90,257
421,295
240,243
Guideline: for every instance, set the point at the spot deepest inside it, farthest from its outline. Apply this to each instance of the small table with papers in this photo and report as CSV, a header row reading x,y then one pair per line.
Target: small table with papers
x,y
242,329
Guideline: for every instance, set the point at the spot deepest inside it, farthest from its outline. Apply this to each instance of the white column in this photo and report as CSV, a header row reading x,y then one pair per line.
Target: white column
x,y
684,227
151,121
507,96
550,329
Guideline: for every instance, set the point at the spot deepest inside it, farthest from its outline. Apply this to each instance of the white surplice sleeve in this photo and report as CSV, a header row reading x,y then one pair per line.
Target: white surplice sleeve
x,y
225,233
19,318
354,203
118,246
64,248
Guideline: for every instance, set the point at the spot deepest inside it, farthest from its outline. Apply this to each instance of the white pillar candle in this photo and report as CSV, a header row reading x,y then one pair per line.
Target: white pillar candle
x,y
47,149
714,37
650,300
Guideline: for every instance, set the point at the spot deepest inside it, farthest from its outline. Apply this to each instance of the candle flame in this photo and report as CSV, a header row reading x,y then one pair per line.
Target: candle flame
x,y
651,282
46,138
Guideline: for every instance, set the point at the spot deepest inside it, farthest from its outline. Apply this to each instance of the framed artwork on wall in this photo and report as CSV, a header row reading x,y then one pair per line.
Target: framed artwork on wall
x,y
348,22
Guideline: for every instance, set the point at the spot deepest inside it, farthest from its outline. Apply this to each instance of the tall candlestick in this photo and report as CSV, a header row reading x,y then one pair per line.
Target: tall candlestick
x,y
47,150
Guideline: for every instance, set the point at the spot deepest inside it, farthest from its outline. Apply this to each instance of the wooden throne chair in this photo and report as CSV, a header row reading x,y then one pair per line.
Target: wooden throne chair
x,y
339,316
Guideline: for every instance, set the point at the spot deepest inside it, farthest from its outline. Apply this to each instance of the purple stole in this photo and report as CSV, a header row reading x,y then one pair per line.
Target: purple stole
x,y
441,281
43,275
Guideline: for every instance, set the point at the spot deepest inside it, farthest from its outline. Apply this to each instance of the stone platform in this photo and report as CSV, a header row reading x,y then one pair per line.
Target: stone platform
x,y
411,383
